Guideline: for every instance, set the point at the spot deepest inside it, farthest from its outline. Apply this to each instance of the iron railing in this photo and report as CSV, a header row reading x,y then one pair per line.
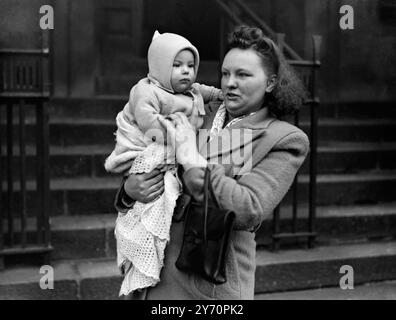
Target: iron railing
x,y
233,13
308,72
24,204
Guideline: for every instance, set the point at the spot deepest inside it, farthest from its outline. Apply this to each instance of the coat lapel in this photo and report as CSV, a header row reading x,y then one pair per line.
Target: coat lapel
x,y
233,139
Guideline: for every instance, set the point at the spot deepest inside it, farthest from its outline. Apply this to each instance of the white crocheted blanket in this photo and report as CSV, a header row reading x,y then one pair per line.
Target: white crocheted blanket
x,y
143,232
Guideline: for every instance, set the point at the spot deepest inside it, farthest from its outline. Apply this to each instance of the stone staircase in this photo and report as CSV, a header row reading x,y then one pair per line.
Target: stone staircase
x,y
356,215
118,75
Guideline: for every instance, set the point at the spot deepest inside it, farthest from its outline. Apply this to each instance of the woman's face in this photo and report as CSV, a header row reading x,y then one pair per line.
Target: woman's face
x,y
244,82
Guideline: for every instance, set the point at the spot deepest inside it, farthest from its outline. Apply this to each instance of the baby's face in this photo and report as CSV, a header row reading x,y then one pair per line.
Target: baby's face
x,y
183,72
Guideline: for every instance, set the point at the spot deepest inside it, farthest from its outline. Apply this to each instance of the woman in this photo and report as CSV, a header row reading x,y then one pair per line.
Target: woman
x,y
259,88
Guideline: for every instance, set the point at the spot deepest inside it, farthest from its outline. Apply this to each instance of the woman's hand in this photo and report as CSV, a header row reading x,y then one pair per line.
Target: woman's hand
x,y
181,135
145,187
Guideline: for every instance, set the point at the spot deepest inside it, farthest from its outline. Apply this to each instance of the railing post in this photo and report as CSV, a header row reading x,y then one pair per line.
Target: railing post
x,y
316,40
46,181
295,184
22,173
276,229
1,196
222,43
39,174
10,185
42,130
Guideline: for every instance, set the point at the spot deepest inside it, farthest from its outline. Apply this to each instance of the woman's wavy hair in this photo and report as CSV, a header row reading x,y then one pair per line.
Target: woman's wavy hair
x,y
289,92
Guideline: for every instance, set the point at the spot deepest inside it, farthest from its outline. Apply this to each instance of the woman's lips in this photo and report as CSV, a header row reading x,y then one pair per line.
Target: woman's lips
x,y
232,96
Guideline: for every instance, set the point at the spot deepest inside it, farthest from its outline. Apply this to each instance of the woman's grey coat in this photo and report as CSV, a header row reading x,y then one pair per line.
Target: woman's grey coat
x,y
251,184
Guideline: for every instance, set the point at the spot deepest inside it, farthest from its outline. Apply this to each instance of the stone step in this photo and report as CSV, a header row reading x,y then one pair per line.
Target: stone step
x,y
344,157
65,162
120,75
115,85
92,236
384,290
77,161
347,189
98,107
355,110
320,267
106,106
75,237
71,131
335,224
72,196
81,196
88,279
275,272
356,130
125,65
119,85
138,67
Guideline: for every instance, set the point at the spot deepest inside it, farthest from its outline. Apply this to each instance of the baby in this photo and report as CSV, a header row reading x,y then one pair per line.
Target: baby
x,y
142,233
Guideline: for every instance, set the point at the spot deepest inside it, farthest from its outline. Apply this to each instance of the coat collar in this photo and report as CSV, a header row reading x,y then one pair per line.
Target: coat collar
x,y
259,120
251,127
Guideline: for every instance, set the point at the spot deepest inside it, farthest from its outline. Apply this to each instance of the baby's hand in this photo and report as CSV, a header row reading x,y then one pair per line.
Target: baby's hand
x,y
221,95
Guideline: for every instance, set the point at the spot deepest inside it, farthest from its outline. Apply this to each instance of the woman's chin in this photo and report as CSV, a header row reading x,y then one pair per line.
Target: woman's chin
x,y
232,107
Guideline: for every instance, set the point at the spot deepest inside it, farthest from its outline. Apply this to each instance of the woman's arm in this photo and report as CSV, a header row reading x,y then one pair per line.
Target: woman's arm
x,y
256,194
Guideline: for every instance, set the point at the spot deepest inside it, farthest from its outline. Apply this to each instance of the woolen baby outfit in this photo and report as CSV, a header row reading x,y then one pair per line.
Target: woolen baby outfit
x,y
143,232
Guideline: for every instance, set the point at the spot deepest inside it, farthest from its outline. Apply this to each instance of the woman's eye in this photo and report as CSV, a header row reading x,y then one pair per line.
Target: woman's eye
x,y
243,75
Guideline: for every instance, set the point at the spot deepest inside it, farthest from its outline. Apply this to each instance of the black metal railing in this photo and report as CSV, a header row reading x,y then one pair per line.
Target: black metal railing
x,y
24,203
233,13
308,72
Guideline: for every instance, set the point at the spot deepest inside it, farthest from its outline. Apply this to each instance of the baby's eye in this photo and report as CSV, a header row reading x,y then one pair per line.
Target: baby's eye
x,y
243,75
176,65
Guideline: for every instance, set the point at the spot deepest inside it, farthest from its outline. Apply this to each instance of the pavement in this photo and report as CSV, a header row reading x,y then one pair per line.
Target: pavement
x,y
371,291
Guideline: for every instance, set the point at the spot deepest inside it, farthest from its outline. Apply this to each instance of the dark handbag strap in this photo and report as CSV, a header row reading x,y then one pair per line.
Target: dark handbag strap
x,y
206,202
208,189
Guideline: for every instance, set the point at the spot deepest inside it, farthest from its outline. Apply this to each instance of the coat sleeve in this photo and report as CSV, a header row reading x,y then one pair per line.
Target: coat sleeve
x,y
144,106
256,194
122,202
